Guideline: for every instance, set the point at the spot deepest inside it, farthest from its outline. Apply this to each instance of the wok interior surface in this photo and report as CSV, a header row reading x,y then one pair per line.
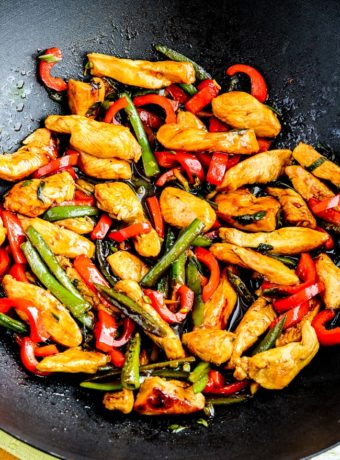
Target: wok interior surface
x,y
296,46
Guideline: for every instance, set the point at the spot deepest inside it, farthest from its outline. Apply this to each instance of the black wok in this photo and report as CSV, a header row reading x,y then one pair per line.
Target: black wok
x,y
296,45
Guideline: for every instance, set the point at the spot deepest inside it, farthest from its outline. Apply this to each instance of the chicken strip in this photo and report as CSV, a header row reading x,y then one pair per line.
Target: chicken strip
x,y
188,120
295,210
329,274
127,266
276,368
307,185
38,150
146,74
245,211
60,240
103,140
261,168
253,324
179,208
317,164
33,197
104,168
159,397
3,232
120,201
273,270
82,97
210,344
171,344
74,360
122,401
56,319
80,225
241,110
286,240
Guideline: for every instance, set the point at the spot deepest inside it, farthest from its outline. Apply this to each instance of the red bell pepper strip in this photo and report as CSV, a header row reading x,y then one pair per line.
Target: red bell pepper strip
x,y
16,235
233,160
101,229
117,357
330,215
4,261
329,203
329,244
115,108
149,119
128,329
166,177
188,162
264,144
299,297
18,272
130,231
45,67
207,91
177,94
217,126
229,389
207,258
47,350
105,331
57,164
158,100
293,316
155,211
326,337
80,195
217,168
215,380
204,158
217,224
68,169
257,82
186,304
27,355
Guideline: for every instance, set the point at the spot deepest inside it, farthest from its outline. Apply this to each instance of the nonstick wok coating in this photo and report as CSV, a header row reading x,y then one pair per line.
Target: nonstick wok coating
x,y
296,46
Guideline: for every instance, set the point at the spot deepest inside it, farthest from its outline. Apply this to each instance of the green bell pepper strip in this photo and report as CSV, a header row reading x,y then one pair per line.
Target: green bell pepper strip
x,y
77,307
240,288
12,324
194,284
114,386
226,400
181,245
189,89
201,74
130,371
178,270
268,341
200,371
150,164
68,212
163,284
133,310
199,386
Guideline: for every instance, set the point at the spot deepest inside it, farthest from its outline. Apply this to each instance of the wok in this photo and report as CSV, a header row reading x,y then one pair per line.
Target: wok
x,y
296,46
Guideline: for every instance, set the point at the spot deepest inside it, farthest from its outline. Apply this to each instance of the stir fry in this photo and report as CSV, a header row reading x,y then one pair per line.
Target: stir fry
x,y
154,238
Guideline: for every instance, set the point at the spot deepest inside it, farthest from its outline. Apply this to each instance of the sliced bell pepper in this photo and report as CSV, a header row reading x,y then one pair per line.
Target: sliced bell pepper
x,y
149,119
186,304
217,168
329,244
162,101
257,82
264,144
4,261
27,355
293,316
326,337
217,126
105,331
68,169
102,228
128,329
130,231
299,297
50,57
188,162
120,104
166,177
233,160
57,164
18,272
329,203
229,389
215,380
46,350
155,211
117,358
329,215
207,91
16,235
207,258
204,158
177,94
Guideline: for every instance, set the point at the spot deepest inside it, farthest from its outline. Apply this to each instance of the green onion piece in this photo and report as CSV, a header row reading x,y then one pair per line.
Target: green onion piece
x,y
202,421
130,371
202,241
269,340
200,371
194,284
199,386
68,212
226,400
114,386
12,324
189,89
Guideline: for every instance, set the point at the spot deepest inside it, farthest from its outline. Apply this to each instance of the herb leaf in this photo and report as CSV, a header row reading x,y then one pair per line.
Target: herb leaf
x,y
177,428
262,247
247,219
202,421
40,189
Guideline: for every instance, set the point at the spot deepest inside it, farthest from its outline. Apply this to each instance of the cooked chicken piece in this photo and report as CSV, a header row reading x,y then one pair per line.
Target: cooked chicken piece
x,y
104,168
38,150
82,96
241,110
145,74
179,208
295,210
74,360
273,270
56,319
80,225
329,274
307,156
307,185
120,201
189,120
276,368
286,240
220,306
3,232
261,168
171,344
60,240
243,203
33,197
127,266
159,397
253,324
119,400
103,140
175,137
210,344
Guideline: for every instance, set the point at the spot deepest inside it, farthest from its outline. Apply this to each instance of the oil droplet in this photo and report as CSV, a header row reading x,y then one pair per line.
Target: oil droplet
x,y
20,84
17,126
20,107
